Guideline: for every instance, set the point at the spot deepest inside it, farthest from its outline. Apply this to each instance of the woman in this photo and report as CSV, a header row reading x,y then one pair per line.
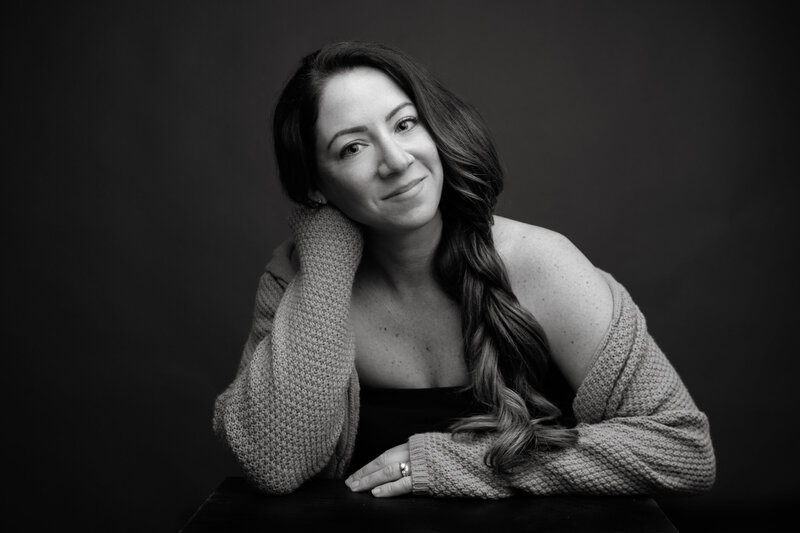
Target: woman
x,y
411,342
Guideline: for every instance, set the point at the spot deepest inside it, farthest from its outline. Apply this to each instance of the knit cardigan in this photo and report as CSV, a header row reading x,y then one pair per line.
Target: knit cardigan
x,y
291,412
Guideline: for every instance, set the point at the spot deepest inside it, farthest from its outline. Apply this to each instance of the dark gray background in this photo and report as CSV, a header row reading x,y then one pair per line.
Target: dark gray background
x,y
143,203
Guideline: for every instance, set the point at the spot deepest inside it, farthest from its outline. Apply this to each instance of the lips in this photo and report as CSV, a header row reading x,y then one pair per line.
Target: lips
x,y
407,187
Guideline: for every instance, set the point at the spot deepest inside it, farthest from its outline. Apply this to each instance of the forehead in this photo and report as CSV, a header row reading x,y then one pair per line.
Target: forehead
x,y
355,97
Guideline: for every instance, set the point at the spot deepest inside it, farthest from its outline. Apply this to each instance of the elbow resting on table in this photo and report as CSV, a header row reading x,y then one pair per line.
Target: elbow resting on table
x,y
265,464
695,464
276,485
706,463
258,472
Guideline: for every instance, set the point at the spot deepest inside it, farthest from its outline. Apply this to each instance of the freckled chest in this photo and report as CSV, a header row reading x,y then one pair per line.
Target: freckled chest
x,y
410,343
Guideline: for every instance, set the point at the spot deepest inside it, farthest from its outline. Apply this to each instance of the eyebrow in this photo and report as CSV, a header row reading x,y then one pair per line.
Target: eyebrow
x,y
359,129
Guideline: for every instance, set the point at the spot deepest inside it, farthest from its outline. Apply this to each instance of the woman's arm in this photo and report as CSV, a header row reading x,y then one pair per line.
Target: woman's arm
x,y
639,431
284,414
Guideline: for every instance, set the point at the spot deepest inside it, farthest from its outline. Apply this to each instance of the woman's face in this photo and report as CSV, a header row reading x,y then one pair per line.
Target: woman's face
x,y
377,162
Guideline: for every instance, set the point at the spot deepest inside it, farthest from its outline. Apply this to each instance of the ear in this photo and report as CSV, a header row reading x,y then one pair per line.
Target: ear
x,y
318,197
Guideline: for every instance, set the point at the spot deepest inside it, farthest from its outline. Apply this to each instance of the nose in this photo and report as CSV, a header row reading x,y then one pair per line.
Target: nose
x,y
395,159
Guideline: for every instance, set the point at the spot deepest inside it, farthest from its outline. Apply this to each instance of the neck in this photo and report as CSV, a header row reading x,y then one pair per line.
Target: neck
x,y
404,261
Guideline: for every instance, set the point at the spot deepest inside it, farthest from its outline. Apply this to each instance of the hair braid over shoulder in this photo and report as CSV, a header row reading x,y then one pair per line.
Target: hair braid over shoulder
x,y
506,353
505,348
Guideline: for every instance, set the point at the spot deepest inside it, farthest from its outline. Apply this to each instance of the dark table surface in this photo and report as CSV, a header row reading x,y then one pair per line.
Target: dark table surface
x,y
328,505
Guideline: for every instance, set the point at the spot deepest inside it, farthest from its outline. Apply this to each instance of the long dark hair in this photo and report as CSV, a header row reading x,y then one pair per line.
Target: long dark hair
x,y
506,350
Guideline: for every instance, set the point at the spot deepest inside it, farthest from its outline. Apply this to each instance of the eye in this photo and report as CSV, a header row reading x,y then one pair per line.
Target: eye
x,y
350,150
407,124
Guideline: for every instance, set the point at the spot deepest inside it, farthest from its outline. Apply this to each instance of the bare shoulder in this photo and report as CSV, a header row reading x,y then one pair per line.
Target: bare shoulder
x,y
563,290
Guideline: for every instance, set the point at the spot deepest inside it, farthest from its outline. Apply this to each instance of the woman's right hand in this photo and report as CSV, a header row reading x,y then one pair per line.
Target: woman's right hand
x,y
325,237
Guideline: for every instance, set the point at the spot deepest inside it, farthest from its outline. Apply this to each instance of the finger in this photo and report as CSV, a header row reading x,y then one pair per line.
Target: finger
x,y
387,474
396,488
396,455
354,481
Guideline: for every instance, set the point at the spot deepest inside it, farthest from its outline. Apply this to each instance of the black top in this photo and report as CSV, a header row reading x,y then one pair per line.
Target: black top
x,y
388,417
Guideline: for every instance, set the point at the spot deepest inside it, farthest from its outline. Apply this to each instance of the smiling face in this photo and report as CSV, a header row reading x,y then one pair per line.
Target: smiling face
x,y
377,162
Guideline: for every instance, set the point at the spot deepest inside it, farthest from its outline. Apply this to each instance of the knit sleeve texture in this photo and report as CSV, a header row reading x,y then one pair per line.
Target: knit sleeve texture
x,y
290,411
639,431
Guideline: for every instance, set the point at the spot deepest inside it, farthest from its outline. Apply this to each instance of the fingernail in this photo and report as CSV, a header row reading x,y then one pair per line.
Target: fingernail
x,y
376,491
354,484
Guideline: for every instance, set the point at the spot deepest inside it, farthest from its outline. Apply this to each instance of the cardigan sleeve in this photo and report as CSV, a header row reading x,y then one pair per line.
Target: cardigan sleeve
x,y
639,431
286,412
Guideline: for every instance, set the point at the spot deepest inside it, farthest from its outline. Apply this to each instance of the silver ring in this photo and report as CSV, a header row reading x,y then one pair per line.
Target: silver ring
x,y
404,470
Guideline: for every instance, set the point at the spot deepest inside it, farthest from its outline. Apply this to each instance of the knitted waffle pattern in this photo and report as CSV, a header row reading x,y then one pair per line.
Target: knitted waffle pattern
x,y
639,431
291,412
292,409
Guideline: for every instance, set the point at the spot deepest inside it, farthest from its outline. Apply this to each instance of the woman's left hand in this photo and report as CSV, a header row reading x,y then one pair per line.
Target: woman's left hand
x,y
383,476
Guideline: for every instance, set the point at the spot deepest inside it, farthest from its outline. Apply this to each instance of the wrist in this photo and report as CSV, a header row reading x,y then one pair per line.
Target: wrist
x,y
326,239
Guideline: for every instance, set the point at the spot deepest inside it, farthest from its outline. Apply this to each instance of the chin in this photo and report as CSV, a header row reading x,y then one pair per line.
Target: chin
x,y
413,219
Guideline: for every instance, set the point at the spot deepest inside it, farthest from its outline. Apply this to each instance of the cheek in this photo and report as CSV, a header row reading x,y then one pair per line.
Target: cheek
x,y
346,189
336,179
430,152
